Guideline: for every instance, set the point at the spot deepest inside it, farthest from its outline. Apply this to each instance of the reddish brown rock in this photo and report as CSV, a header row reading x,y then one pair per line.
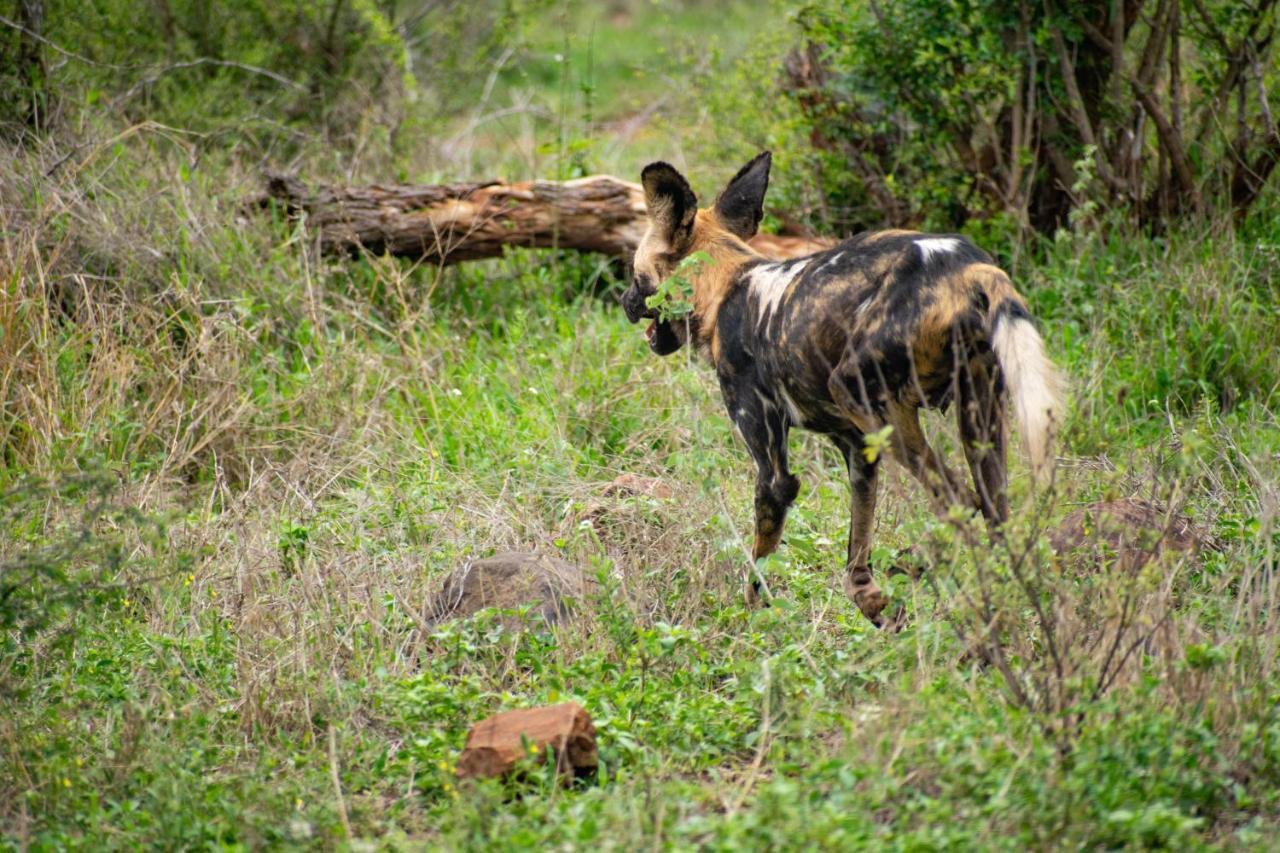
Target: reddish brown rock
x,y
625,485
496,745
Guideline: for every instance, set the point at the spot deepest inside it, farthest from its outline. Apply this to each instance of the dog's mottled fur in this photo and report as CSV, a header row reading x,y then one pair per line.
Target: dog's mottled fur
x,y
845,342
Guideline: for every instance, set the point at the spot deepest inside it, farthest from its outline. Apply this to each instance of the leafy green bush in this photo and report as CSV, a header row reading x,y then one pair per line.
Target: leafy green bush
x,y
936,114
1151,326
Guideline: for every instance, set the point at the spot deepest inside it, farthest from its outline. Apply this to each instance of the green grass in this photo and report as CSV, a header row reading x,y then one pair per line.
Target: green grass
x,y
232,472
621,63
195,707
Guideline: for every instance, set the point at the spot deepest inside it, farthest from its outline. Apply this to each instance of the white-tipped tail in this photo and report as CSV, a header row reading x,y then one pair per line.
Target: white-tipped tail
x,y
1034,387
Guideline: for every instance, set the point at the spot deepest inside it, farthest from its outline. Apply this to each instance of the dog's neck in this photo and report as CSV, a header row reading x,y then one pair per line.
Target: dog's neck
x,y
714,280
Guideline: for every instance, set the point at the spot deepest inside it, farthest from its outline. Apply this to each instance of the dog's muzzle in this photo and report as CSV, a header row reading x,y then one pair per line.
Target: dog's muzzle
x,y
664,337
633,305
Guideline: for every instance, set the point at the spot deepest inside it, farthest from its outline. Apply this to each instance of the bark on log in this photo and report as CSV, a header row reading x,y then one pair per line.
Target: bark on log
x,y
448,223
496,745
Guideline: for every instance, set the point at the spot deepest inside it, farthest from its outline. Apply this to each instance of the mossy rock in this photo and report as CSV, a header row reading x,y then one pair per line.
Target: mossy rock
x,y
513,580
1127,533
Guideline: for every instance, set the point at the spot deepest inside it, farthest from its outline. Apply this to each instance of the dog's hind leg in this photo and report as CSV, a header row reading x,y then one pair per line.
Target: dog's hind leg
x,y
912,449
984,433
859,584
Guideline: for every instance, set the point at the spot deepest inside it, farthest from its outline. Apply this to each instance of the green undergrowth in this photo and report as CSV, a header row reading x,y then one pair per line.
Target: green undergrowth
x,y
259,625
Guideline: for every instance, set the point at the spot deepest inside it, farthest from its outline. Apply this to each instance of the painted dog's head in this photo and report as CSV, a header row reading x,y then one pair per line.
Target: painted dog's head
x,y
677,229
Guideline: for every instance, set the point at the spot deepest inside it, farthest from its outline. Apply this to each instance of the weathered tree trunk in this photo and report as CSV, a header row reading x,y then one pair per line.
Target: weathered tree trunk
x,y
448,223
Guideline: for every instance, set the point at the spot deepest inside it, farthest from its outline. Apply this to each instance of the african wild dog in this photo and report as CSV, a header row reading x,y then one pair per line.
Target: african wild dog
x,y
845,342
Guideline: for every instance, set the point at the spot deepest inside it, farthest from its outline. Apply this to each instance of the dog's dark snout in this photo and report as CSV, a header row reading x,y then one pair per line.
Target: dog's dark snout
x,y
632,303
633,300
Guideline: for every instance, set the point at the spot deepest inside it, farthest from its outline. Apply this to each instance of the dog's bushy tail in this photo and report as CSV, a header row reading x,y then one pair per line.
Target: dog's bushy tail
x,y
1031,380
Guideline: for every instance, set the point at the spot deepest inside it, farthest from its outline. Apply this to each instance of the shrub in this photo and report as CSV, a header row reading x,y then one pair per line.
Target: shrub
x,y
936,114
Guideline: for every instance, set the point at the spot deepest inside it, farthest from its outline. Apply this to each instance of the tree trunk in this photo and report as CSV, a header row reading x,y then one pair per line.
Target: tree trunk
x,y
449,223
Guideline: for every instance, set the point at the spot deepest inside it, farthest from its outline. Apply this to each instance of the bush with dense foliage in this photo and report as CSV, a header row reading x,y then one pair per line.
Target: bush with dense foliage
x,y
934,114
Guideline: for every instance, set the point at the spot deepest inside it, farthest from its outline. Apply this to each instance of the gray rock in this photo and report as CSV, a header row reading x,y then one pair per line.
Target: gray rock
x,y
1127,533
507,581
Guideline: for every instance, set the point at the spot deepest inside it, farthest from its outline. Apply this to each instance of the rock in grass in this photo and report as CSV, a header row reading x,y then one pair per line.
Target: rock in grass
x,y
496,745
1125,533
513,580
625,485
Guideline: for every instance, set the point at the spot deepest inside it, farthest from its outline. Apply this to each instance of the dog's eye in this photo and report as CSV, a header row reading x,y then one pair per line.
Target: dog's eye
x,y
642,280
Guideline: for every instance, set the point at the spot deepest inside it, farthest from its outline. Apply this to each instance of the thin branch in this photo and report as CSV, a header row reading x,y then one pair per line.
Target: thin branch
x,y
62,50
220,63
1117,49
1236,58
1079,116
1175,67
1149,65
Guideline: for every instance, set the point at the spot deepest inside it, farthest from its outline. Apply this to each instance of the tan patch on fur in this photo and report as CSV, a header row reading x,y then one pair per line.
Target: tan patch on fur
x,y
877,236
952,296
713,281
994,282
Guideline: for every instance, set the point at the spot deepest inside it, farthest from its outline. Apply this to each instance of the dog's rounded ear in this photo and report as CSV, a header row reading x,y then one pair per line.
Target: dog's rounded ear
x,y
740,207
670,202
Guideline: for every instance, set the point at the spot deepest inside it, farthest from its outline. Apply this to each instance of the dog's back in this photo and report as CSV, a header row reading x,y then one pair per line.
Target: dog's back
x,y
888,308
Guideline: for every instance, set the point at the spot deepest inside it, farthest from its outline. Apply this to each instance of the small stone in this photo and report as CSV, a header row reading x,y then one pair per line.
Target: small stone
x,y
495,745
625,485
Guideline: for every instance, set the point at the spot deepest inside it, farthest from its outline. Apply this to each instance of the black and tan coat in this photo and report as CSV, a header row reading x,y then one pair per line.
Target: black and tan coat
x,y
846,342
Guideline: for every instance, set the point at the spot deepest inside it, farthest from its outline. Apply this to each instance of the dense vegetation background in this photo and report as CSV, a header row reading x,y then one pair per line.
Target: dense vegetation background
x,y
232,469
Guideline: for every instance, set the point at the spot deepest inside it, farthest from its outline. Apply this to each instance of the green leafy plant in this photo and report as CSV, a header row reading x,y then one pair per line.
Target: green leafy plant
x,y
674,296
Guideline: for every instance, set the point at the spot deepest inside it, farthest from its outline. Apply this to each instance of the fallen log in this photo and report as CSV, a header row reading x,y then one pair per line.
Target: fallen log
x,y
449,223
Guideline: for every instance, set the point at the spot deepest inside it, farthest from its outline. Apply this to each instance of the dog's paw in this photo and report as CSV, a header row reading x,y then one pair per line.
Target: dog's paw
x,y
864,593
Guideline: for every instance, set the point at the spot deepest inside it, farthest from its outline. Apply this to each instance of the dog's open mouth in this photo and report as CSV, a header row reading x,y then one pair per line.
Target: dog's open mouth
x,y
665,337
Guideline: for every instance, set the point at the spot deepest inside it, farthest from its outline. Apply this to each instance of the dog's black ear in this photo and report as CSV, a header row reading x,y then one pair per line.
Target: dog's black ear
x,y
670,202
741,206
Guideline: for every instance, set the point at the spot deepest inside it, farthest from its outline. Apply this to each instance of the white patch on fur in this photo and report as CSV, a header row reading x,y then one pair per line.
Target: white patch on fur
x,y
1034,387
835,259
769,282
930,246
